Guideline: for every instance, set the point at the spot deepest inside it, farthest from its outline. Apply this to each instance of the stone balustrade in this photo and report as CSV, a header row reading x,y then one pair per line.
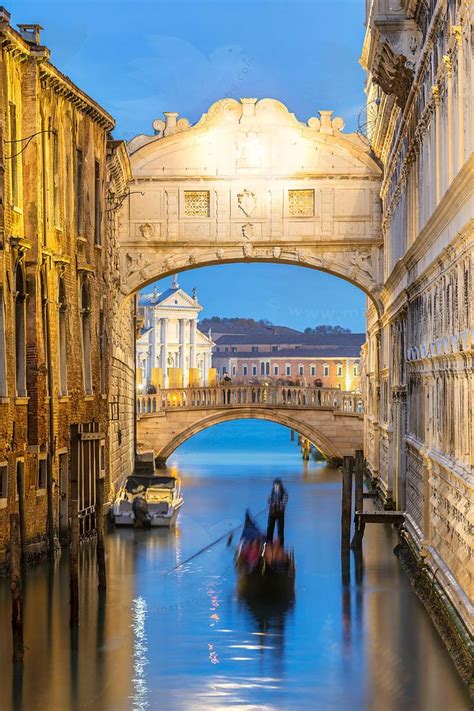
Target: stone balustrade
x,y
248,395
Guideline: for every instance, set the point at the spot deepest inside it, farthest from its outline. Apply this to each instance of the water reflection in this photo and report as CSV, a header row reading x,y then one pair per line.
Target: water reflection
x,y
181,639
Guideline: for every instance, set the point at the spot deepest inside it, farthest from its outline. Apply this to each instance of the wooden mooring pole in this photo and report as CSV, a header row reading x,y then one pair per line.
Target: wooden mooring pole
x,y
100,527
15,584
346,505
356,542
74,565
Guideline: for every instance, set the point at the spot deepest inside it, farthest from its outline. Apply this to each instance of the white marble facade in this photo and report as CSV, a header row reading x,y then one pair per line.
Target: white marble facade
x,y
170,338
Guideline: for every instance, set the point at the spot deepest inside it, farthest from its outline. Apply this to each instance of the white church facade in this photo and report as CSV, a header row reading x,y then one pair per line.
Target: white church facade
x,y
171,351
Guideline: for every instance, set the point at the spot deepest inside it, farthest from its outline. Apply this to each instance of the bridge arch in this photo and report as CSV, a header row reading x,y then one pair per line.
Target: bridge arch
x,y
251,183
321,428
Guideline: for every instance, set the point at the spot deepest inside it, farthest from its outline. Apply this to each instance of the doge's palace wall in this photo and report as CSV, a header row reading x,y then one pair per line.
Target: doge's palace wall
x,y
419,434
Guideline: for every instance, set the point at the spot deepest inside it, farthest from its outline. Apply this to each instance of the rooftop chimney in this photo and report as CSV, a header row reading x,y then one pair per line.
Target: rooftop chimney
x,y
31,33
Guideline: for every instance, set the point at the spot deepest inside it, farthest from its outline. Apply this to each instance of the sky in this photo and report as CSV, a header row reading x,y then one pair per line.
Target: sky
x,y
142,57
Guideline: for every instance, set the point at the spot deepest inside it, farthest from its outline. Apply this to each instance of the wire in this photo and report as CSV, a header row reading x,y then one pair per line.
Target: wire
x,y
28,140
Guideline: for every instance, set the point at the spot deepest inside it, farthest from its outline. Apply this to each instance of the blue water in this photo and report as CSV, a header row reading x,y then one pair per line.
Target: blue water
x,y
176,636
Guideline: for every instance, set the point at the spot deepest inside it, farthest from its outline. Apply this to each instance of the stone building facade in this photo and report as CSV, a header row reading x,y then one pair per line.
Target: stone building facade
x,y
59,172
331,361
418,361
171,350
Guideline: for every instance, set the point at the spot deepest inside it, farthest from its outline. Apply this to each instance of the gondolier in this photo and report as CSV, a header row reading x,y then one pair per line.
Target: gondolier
x,y
276,513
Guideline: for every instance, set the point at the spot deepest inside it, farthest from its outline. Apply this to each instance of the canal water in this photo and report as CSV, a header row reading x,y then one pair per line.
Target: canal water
x,y
177,637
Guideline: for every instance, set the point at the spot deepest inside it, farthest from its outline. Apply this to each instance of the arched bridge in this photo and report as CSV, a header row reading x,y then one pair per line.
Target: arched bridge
x,y
331,419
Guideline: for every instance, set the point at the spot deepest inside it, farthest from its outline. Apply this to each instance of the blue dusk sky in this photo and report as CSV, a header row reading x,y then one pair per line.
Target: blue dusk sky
x,y
142,57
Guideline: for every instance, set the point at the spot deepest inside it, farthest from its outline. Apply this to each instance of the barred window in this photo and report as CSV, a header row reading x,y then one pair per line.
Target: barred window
x,y
301,203
196,203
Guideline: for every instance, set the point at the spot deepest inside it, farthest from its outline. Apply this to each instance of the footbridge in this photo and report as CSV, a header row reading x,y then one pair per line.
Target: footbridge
x,y
331,419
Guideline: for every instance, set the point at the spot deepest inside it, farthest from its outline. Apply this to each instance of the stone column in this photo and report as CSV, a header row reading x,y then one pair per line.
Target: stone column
x,y
449,138
192,341
182,349
164,351
457,29
435,92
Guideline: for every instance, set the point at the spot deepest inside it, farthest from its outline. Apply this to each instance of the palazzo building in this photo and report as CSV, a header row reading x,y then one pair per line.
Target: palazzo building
x,y
59,172
171,351
418,361
325,360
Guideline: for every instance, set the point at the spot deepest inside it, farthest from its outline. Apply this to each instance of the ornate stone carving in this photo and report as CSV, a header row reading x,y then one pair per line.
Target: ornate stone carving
x,y
220,253
247,249
363,262
146,230
301,203
276,252
135,265
247,230
247,202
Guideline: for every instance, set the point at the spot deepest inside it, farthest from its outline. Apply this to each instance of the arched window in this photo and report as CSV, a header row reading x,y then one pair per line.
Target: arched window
x,y
62,337
339,369
20,335
86,338
325,370
3,349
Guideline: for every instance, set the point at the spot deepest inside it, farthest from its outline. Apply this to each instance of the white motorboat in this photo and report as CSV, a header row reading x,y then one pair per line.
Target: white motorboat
x,y
148,501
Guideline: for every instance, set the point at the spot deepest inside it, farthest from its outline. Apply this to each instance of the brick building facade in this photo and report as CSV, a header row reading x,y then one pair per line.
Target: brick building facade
x,y
59,170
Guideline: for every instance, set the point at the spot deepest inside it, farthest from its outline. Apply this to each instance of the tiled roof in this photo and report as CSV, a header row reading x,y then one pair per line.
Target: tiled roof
x,y
323,351
303,339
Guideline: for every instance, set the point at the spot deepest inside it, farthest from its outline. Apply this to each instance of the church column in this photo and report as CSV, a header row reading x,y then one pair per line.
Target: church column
x,y
182,349
192,341
164,351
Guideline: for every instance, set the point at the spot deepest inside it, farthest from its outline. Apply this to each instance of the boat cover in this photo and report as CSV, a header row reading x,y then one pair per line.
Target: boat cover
x,y
135,483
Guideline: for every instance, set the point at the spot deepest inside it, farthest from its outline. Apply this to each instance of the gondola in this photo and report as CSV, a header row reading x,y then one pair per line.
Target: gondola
x,y
260,574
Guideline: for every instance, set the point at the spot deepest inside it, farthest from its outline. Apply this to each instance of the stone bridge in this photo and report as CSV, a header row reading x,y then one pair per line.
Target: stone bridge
x,y
331,419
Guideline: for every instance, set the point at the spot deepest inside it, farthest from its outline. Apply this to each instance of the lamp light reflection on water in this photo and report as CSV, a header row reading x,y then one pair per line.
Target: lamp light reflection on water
x,y
139,697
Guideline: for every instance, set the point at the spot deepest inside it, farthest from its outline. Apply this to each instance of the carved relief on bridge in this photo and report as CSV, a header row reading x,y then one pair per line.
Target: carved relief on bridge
x,y
250,181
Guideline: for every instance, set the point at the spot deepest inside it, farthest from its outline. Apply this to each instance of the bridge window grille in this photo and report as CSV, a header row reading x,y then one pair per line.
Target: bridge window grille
x,y
197,203
301,203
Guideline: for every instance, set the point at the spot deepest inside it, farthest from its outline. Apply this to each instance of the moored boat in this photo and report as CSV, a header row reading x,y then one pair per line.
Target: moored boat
x,y
148,501
264,569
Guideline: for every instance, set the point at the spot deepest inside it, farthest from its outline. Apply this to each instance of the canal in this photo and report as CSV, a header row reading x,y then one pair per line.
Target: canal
x,y
178,638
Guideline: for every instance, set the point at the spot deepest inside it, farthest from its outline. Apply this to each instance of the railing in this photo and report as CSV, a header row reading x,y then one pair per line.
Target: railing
x,y
248,396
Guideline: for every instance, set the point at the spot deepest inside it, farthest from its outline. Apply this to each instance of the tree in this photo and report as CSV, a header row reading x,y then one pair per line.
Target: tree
x,y
327,329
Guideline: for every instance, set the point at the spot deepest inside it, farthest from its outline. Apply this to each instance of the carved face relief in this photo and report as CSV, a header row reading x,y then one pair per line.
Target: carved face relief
x,y
277,252
247,202
146,230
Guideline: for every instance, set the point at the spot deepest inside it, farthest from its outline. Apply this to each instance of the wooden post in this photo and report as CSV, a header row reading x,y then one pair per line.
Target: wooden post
x,y
359,498
50,510
100,526
74,565
346,505
15,584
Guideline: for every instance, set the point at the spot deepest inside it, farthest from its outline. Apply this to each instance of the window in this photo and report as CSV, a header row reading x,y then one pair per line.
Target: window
x,y
62,338
196,203
254,370
301,370
325,370
262,368
20,334
275,370
233,349
97,203
3,350
86,338
244,370
79,187
20,478
56,179
233,370
288,369
254,349
339,369
42,473
217,349
301,203
274,349
15,148
312,370
3,480
356,369
226,349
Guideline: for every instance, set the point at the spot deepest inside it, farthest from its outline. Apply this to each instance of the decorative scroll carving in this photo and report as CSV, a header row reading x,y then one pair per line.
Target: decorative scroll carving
x,y
247,202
